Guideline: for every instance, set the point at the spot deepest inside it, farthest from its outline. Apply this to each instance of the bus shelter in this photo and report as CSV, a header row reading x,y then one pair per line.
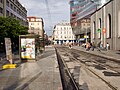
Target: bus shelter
x,y
28,47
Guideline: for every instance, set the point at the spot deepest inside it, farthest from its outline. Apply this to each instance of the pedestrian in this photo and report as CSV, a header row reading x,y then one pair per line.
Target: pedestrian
x,y
93,46
87,46
107,46
70,46
99,46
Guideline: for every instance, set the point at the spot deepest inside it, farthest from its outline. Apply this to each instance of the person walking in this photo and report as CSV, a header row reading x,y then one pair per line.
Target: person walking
x,y
93,46
87,46
107,46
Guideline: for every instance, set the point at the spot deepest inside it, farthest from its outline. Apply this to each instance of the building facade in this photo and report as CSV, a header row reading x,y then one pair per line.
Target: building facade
x,y
80,12
12,8
36,26
62,33
105,26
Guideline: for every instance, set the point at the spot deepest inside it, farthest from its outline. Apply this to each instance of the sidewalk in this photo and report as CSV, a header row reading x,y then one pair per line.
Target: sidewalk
x,y
109,54
42,74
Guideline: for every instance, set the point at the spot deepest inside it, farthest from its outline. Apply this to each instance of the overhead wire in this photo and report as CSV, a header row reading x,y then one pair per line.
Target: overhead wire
x,y
49,14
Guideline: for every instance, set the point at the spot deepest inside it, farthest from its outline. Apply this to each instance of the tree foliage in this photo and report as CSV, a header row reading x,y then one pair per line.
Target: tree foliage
x,y
11,28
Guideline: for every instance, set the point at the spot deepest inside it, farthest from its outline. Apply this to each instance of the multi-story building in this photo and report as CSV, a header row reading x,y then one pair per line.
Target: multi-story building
x,y
62,33
105,22
80,12
82,30
13,8
36,26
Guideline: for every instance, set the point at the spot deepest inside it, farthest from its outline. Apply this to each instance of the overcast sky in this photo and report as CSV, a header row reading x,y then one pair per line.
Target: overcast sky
x,y
52,12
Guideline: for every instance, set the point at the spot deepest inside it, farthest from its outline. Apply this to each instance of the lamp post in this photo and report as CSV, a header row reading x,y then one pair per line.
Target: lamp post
x,y
86,35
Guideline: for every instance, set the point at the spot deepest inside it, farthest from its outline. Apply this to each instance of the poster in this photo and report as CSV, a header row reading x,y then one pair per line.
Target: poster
x,y
27,48
8,49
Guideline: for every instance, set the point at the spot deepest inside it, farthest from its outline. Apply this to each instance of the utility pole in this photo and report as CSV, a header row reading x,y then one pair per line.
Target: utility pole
x,y
4,8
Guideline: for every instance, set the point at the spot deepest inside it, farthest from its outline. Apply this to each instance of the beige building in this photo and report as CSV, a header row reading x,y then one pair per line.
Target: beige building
x,y
36,26
13,8
62,33
105,25
82,30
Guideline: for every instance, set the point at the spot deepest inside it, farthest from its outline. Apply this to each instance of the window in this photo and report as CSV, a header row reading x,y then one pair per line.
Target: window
x,y
1,1
119,23
94,29
32,28
109,26
32,23
1,10
7,3
65,28
99,28
11,6
32,19
7,13
38,28
88,24
15,9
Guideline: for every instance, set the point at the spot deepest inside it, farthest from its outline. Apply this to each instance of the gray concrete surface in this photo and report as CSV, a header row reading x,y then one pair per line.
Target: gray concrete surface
x,y
37,75
110,54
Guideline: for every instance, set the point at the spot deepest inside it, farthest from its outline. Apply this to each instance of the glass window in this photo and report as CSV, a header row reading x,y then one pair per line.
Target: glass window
x,y
109,26
15,9
119,23
7,13
7,3
32,19
99,29
1,10
32,23
94,28
11,6
32,28
1,1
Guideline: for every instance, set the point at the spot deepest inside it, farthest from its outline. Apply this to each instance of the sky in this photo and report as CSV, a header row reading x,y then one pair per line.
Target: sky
x,y
52,11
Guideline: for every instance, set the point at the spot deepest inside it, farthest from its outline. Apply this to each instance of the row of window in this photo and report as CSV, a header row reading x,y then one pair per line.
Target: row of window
x,y
64,37
35,23
64,32
34,28
99,30
14,8
64,28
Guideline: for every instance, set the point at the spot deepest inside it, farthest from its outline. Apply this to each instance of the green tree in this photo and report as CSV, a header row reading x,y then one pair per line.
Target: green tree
x,y
11,28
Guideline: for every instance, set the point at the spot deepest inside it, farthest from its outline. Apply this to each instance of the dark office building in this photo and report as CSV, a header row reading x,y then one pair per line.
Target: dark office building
x,y
13,8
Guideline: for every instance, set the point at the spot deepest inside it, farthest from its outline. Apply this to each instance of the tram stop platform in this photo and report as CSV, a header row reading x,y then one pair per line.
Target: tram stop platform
x,y
42,74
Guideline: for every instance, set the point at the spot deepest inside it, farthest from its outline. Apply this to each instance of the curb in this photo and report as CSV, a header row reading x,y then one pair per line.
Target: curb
x,y
103,56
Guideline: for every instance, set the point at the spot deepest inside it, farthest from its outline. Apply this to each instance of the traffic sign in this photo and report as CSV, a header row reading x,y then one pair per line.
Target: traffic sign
x,y
104,30
99,30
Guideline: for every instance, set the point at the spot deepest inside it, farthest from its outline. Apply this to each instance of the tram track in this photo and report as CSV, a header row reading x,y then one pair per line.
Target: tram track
x,y
74,56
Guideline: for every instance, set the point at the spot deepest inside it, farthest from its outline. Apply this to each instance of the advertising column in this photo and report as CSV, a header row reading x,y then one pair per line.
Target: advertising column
x,y
8,50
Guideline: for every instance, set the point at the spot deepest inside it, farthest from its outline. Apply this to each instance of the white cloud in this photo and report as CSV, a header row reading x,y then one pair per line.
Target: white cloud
x,y
59,10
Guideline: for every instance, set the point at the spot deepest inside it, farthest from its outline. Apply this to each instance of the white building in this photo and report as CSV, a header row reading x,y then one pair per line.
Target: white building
x,y
36,26
63,34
